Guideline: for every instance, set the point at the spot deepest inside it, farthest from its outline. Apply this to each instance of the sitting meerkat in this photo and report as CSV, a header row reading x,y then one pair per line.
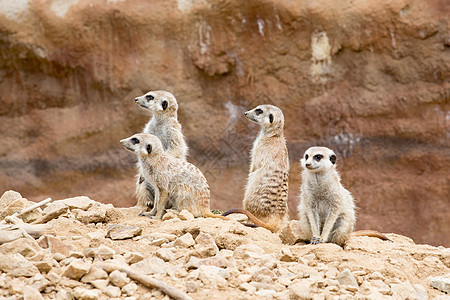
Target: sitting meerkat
x,y
173,179
266,193
164,124
326,209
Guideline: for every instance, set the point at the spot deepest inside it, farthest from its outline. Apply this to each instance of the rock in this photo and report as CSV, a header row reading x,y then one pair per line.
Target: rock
x,y
185,215
31,293
133,257
404,290
93,215
129,289
122,232
193,263
205,245
53,277
43,266
96,235
86,294
170,214
55,245
347,278
238,217
12,202
112,291
104,252
265,293
246,251
167,254
291,233
191,287
76,254
301,289
246,287
184,241
76,269
441,283
81,202
94,273
286,255
101,284
118,278
24,246
213,276
16,265
64,295
52,211
421,292
151,265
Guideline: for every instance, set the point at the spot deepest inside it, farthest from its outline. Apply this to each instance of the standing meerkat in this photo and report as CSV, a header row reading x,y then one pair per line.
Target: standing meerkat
x,y
266,193
173,179
164,124
326,209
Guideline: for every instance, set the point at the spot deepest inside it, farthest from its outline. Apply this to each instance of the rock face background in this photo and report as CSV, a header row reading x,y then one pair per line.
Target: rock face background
x,y
369,79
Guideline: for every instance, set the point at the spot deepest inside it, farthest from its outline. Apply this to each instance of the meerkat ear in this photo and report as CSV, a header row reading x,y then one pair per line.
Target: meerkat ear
x,y
164,104
149,148
333,159
271,118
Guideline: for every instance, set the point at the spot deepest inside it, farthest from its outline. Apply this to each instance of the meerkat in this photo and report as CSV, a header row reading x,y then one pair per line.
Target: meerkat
x,y
266,193
326,209
173,179
164,124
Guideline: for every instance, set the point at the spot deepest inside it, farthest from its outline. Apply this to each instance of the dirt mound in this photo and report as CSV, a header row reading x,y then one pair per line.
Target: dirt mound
x,y
94,251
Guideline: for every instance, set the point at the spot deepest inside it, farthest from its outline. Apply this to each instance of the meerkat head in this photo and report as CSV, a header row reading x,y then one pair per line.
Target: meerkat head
x,y
268,116
158,102
318,159
143,144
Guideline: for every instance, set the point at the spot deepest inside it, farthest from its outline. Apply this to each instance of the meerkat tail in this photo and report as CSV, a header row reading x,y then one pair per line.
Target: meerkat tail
x,y
209,214
371,233
251,217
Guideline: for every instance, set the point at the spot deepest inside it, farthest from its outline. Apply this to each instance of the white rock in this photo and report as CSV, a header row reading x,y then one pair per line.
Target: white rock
x,y
441,283
347,278
213,276
265,293
76,269
247,250
421,292
247,287
31,293
104,252
118,278
404,290
184,241
101,284
16,265
112,291
82,202
205,245
129,289
166,254
301,289
133,257
64,295
185,215
191,287
151,265
286,255
95,273
85,294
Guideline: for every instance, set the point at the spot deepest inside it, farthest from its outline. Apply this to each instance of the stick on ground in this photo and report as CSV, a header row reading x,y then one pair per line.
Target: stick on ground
x,y
147,281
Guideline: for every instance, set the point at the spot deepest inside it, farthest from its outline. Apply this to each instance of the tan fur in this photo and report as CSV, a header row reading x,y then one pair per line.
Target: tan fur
x,y
326,209
266,193
174,180
163,124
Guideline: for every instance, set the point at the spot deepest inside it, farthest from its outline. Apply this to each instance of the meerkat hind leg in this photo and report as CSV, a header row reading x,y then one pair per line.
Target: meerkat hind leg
x,y
329,224
155,204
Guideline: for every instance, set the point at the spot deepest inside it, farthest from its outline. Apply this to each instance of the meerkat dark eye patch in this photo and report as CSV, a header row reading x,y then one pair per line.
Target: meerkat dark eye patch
x,y
271,118
306,156
149,97
333,159
318,157
258,111
149,148
135,141
164,104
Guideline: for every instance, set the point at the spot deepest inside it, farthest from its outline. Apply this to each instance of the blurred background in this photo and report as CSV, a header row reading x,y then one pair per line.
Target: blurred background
x,y
369,79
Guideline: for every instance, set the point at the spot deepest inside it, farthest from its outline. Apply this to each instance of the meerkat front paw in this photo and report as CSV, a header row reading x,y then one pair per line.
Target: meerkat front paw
x,y
149,214
316,240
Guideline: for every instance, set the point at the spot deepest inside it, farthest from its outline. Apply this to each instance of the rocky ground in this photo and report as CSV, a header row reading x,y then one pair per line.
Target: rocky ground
x,y
201,258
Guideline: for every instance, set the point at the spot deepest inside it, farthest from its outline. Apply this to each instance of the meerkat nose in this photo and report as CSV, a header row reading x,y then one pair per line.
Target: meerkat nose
x,y
308,165
136,99
245,113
